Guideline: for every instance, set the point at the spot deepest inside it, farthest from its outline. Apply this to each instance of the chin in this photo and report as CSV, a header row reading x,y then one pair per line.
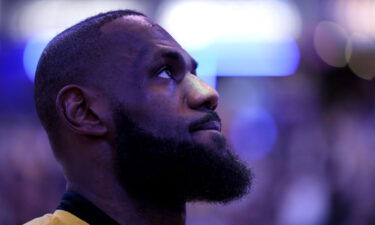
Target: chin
x,y
211,139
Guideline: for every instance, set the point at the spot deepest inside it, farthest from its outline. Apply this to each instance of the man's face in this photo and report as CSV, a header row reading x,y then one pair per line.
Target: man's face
x,y
169,143
156,81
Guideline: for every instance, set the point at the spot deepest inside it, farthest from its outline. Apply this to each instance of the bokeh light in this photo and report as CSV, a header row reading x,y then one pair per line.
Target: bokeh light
x,y
248,34
33,50
356,15
35,16
257,58
305,203
348,39
271,20
39,21
330,43
361,56
253,133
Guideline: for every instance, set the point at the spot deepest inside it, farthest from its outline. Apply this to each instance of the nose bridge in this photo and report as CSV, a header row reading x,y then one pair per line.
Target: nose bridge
x,y
199,93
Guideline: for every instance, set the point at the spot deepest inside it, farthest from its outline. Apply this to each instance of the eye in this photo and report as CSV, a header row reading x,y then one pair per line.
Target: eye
x,y
165,73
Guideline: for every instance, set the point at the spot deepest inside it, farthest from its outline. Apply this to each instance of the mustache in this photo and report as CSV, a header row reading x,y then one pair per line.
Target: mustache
x,y
211,116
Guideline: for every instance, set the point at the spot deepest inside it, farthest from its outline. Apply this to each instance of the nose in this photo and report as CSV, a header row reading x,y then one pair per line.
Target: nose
x,y
199,94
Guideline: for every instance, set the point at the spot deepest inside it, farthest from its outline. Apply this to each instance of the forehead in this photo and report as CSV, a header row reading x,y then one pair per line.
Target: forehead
x,y
135,29
137,36
129,22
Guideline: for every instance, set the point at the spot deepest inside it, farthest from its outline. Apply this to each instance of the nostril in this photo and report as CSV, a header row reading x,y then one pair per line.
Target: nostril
x,y
211,102
214,107
213,99
207,105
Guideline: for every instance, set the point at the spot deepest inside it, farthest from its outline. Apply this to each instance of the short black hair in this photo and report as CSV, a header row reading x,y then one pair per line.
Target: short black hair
x,y
67,59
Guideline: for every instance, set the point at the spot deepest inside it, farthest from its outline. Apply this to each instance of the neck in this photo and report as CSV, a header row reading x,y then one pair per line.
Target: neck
x,y
118,204
95,179
159,215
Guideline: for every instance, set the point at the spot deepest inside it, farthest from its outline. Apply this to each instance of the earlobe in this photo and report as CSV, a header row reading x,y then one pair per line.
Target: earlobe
x,y
73,104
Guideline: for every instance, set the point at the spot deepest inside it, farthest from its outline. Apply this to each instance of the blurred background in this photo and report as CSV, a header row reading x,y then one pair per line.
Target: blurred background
x,y
297,101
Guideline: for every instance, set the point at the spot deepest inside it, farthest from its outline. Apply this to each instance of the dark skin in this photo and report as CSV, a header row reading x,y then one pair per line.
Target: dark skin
x,y
154,80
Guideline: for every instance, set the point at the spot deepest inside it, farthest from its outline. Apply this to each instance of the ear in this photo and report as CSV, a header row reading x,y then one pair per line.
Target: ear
x,y
74,105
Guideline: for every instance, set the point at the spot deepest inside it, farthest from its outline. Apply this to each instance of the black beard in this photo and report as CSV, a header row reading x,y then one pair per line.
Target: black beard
x,y
167,171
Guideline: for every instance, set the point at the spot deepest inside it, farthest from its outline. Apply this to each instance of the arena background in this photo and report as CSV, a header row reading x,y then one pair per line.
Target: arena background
x,y
297,101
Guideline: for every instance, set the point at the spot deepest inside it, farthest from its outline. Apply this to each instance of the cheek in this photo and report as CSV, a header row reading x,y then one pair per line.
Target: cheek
x,y
167,121
165,116
159,109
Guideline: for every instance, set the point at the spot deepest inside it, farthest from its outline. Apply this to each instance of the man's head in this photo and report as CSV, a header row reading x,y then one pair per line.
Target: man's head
x,y
120,80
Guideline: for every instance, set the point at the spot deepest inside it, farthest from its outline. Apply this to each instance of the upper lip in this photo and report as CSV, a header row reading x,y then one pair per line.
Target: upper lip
x,y
211,121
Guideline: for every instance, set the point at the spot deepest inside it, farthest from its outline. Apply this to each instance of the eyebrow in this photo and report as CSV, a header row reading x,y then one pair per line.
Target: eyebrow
x,y
174,55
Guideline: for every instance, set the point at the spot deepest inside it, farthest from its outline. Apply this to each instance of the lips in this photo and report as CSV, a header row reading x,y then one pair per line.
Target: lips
x,y
211,121
209,125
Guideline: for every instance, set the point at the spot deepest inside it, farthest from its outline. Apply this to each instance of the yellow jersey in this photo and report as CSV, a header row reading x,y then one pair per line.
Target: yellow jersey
x,y
59,217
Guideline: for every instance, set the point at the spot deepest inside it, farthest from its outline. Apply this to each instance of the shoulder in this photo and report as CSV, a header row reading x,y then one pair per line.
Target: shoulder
x,y
47,219
59,217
